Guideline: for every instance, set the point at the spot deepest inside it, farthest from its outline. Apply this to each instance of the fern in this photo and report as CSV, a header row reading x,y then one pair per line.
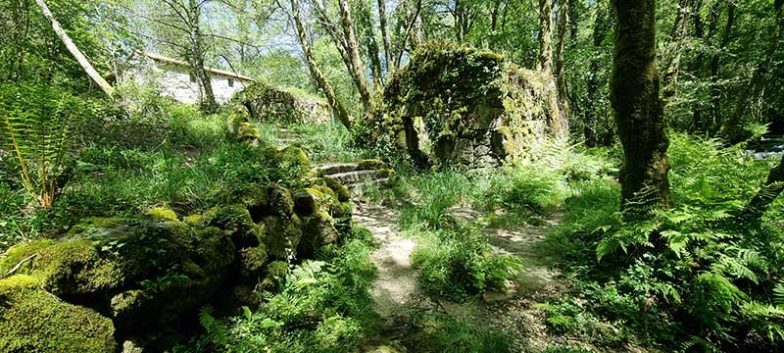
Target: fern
x,y
35,125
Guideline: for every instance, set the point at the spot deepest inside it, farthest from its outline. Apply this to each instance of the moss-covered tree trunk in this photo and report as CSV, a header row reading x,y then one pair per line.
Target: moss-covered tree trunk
x,y
352,47
560,70
546,36
557,123
638,109
318,76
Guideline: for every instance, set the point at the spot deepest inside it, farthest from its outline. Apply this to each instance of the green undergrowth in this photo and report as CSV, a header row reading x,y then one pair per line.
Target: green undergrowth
x,y
174,157
691,278
324,306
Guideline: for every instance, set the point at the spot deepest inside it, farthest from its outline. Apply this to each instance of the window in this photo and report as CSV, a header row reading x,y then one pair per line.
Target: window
x,y
231,82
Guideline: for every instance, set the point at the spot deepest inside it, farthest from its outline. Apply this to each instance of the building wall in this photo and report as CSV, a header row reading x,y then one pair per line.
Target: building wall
x,y
176,81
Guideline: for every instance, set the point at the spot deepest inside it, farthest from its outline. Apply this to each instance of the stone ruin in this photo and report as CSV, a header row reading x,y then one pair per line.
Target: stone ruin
x,y
465,106
265,102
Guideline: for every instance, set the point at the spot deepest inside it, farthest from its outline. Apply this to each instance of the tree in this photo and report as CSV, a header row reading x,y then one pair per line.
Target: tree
x,y
558,124
638,109
74,50
560,74
318,76
600,29
188,15
733,129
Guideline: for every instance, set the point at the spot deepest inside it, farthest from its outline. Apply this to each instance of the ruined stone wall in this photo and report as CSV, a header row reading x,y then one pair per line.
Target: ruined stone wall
x,y
458,105
268,103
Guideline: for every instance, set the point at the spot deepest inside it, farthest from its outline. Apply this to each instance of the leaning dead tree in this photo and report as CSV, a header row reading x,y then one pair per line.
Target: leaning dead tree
x,y
74,50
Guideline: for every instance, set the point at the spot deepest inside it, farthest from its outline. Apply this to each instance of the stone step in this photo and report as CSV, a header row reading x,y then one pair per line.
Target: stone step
x,y
335,168
340,167
358,185
359,176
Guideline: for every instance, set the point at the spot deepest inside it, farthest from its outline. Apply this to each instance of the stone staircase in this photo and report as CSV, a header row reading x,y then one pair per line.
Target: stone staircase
x,y
351,174
354,174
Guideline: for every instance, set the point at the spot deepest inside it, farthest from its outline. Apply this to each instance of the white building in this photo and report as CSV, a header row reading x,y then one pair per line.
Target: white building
x,y
174,78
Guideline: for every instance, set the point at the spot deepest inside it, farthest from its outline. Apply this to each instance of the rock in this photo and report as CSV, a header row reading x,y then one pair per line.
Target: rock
x,y
276,275
282,236
342,192
264,102
281,202
237,221
318,231
137,267
33,321
252,261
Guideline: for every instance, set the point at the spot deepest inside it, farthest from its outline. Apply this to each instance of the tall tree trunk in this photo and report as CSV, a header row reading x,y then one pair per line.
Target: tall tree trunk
x,y
715,65
600,29
196,57
74,50
678,35
546,36
560,74
494,12
353,51
382,19
318,76
733,129
557,124
638,109
371,45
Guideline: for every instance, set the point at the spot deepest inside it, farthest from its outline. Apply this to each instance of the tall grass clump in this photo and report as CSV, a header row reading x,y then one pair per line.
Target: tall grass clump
x,y
458,264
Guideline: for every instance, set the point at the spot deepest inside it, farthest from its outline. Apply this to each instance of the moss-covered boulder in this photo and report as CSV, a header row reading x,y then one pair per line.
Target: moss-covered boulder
x,y
276,275
34,321
318,230
451,103
264,102
237,221
136,269
282,235
253,261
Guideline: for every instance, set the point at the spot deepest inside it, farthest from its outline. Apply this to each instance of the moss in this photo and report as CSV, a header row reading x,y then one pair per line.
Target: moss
x,y
265,102
342,216
309,200
295,158
252,261
342,192
318,230
460,95
369,164
163,213
33,321
276,275
281,201
237,221
282,236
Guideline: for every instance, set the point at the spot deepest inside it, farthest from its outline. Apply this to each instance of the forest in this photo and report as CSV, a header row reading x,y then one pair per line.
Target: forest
x,y
391,176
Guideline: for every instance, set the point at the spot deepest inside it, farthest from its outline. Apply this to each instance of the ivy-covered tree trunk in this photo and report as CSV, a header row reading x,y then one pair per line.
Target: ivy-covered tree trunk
x,y
382,22
715,91
318,76
545,36
558,125
638,109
